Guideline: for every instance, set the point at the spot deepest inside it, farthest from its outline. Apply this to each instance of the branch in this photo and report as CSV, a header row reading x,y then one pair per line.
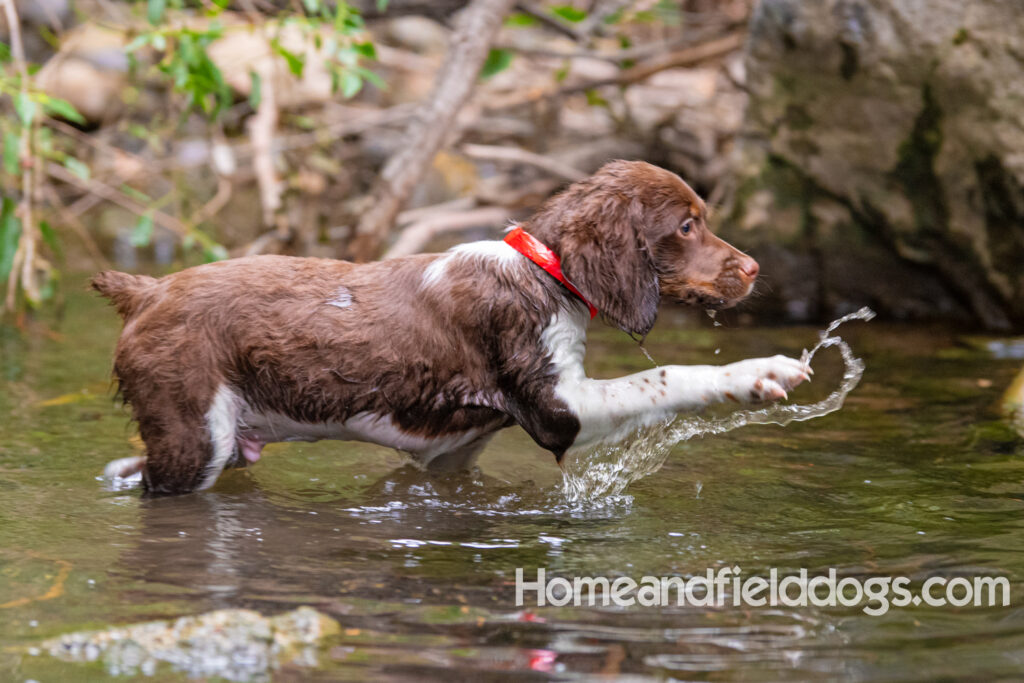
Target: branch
x,y
116,196
688,56
521,156
432,123
415,237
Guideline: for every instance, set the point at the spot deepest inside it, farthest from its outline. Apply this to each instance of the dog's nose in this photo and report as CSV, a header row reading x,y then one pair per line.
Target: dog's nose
x,y
749,267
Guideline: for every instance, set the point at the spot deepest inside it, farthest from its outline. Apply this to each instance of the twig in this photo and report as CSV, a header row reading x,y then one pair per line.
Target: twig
x,y
638,52
216,203
521,156
116,196
549,21
685,57
261,131
478,25
416,236
423,212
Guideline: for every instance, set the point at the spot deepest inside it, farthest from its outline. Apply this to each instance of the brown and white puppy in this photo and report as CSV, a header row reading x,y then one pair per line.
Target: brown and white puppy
x,y
429,354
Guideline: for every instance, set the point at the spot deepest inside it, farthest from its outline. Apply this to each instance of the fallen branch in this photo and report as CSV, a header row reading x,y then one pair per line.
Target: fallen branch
x,y
413,239
413,215
688,56
478,25
517,155
630,54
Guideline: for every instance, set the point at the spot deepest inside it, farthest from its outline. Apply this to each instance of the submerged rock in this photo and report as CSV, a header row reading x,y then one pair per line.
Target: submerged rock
x,y
882,158
234,644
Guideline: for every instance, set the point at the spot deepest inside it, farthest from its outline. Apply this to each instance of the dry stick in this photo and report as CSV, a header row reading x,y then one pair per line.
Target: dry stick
x,y
416,236
261,132
451,206
684,57
519,155
639,52
216,203
430,126
116,196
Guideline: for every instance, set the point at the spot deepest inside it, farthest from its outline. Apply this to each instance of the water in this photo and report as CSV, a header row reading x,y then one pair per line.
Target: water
x,y
913,476
601,473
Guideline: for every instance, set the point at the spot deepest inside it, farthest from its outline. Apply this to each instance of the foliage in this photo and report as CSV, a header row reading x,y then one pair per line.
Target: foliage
x,y
174,50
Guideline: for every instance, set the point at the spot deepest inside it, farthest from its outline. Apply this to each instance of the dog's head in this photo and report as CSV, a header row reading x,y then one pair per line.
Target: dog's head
x,y
634,232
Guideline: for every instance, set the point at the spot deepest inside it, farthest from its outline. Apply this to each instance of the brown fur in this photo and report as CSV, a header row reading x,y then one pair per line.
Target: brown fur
x,y
462,354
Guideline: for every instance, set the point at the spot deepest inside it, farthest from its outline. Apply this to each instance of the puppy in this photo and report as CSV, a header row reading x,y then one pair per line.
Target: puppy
x,y
431,354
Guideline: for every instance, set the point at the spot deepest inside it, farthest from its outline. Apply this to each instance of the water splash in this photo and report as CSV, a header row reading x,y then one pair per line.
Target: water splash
x,y
607,469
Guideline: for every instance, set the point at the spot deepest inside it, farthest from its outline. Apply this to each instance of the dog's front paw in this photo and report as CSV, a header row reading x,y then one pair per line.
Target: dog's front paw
x,y
763,379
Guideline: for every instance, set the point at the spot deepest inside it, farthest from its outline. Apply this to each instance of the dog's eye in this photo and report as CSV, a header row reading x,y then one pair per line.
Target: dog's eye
x,y
687,226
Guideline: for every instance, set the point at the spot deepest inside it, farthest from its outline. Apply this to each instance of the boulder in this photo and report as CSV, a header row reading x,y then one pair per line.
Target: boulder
x,y
881,160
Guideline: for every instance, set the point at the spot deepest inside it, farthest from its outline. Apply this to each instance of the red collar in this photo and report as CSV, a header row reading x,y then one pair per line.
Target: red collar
x,y
535,250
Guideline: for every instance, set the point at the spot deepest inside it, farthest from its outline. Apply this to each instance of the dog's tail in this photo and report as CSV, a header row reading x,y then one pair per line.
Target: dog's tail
x,y
124,290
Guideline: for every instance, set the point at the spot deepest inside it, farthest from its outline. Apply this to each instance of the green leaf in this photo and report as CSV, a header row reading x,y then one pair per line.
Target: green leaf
x,y
12,153
25,106
77,167
140,197
312,6
214,252
155,11
142,235
497,61
138,42
519,20
256,91
594,99
62,108
366,49
569,13
159,42
350,84
382,5
296,63
49,236
370,77
5,53
10,232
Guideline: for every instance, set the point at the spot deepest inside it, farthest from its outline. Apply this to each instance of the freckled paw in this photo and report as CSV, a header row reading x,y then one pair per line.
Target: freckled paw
x,y
767,390
768,379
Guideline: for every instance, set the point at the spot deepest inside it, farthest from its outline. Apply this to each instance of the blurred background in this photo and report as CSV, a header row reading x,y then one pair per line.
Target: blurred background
x,y
867,152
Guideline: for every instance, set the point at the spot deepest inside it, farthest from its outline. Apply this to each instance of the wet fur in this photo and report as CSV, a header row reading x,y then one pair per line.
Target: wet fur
x,y
457,353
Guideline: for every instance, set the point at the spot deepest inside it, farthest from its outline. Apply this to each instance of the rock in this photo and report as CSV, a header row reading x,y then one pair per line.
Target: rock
x,y
90,70
882,129
233,644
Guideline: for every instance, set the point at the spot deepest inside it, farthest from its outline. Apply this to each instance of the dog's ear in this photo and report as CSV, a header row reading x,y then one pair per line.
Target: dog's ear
x,y
610,263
